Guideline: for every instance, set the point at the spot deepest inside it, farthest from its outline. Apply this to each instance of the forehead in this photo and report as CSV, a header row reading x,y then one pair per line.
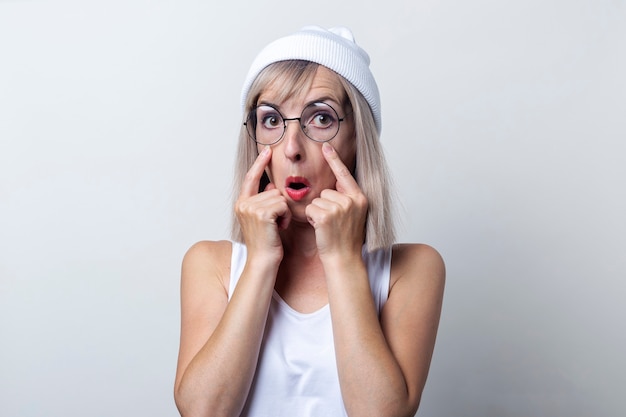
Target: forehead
x,y
324,84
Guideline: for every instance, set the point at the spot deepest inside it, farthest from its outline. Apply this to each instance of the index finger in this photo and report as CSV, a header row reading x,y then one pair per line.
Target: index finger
x,y
345,181
251,181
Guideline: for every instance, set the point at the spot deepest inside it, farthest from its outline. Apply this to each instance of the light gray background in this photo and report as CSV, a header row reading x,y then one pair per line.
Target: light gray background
x,y
504,124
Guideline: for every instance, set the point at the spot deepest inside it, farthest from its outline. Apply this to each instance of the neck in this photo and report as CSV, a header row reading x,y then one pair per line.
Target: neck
x,y
299,240
301,281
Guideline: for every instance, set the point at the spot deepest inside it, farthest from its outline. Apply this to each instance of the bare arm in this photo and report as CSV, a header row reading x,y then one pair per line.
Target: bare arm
x,y
410,318
220,339
383,364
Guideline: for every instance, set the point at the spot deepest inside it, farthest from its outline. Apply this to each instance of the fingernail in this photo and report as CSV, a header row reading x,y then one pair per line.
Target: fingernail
x,y
327,148
266,150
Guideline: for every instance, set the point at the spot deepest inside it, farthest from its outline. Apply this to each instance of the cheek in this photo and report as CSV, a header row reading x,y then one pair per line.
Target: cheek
x,y
274,167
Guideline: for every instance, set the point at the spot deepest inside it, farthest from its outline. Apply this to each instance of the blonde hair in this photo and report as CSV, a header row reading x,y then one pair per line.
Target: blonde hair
x,y
371,172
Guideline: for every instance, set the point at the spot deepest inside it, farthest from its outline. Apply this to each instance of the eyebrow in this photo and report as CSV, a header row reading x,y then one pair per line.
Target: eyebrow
x,y
323,99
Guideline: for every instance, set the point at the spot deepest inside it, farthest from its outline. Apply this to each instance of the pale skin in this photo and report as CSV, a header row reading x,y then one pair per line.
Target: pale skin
x,y
382,364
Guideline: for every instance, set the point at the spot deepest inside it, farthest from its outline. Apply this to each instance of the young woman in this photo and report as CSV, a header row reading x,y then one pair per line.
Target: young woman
x,y
311,309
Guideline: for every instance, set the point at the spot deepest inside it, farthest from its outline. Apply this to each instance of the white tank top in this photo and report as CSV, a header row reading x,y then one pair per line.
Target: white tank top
x,y
297,372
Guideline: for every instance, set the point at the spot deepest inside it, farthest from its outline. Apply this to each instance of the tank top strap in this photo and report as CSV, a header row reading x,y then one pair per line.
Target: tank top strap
x,y
237,262
377,262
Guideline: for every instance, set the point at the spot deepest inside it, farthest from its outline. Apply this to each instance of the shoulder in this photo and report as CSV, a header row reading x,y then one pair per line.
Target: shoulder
x,y
208,249
418,264
205,260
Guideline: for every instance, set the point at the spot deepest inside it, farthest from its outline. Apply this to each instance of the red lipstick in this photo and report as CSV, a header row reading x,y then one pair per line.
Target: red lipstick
x,y
297,187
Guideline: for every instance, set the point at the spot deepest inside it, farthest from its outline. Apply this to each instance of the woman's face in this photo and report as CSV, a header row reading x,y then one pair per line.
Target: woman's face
x,y
298,168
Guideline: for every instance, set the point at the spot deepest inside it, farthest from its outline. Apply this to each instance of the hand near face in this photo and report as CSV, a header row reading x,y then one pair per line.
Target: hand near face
x,y
262,215
338,216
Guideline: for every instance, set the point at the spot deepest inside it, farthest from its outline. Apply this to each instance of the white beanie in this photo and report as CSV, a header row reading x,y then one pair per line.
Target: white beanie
x,y
334,48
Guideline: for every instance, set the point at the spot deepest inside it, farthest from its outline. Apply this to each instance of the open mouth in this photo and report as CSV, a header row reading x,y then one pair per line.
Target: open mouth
x,y
297,187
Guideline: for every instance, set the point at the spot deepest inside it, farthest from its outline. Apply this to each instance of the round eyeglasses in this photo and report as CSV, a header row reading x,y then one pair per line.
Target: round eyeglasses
x,y
319,122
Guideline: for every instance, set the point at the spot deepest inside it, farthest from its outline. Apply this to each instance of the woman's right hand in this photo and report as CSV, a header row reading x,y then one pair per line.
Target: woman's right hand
x,y
262,215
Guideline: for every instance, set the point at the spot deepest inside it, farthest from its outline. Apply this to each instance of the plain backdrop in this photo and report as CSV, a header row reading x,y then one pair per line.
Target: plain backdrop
x,y
504,123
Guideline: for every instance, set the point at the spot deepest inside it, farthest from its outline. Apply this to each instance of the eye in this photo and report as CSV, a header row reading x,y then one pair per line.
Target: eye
x,y
268,117
271,121
320,116
322,120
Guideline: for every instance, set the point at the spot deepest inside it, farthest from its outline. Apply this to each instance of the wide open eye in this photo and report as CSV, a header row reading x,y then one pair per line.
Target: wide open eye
x,y
323,121
320,116
269,118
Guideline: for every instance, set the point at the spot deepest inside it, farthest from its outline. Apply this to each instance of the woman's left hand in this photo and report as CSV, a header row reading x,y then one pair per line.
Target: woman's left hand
x,y
338,215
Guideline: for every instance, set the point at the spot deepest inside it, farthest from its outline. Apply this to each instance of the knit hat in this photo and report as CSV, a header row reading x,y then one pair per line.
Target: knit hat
x,y
334,48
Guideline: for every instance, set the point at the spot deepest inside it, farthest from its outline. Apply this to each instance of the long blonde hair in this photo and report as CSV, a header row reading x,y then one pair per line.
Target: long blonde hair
x,y
371,172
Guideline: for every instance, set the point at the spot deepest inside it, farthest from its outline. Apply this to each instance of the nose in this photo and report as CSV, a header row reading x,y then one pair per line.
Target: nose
x,y
293,140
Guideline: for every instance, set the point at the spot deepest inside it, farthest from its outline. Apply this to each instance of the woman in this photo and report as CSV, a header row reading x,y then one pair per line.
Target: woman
x,y
310,310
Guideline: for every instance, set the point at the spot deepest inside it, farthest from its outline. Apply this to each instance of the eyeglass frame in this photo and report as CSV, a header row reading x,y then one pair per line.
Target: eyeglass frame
x,y
299,119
